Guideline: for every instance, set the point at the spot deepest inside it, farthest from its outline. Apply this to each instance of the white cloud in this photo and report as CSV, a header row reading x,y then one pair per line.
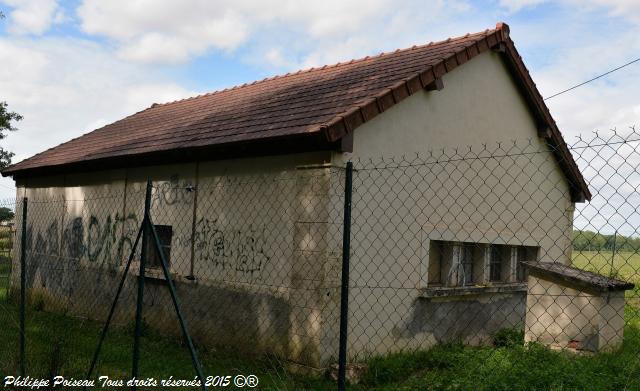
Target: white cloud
x,y
167,31
606,103
276,57
33,16
342,31
517,5
67,87
174,31
628,9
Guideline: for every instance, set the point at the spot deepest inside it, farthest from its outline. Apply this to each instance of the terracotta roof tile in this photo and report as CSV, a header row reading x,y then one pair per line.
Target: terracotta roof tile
x,y
327,101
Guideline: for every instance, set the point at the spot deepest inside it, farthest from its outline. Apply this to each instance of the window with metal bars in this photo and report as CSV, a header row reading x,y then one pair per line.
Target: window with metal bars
x,y
466,264
495,264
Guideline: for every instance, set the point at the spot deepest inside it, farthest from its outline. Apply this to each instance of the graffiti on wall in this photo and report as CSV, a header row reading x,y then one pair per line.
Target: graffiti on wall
x,y
101,240
240,250
109,241
176,191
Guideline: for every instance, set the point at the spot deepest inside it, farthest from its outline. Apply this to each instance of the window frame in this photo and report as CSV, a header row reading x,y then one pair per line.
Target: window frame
x,y
453,264
165,234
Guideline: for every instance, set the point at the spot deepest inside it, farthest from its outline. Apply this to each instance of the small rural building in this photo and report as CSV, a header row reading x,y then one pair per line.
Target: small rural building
x,y
569,308
249,195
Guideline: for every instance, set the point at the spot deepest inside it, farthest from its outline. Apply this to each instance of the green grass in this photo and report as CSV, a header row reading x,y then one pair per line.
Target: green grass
x,y
5,274
5,244
6,238
64,345
5,232
59,344
624,265
513,367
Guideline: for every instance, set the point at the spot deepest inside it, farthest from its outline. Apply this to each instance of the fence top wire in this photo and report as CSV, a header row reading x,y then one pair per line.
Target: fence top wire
x,y
613,137
500,149
512,148
315,172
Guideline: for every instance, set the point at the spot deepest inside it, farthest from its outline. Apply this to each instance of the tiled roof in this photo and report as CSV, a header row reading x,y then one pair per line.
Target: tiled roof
x,y
325,103
577,277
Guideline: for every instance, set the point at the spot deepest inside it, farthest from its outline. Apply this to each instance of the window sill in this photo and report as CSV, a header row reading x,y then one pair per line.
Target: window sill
x,y
442,291
153,274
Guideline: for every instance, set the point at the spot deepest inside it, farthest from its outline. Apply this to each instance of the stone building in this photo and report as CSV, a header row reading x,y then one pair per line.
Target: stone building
x,y
248,200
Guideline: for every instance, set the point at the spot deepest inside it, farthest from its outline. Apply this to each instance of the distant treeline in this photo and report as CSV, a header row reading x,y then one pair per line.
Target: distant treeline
x,y
593,241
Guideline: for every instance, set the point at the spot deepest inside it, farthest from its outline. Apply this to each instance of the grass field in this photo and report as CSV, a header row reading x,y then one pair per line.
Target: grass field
x,y
64,345
58,344
5,274
624,265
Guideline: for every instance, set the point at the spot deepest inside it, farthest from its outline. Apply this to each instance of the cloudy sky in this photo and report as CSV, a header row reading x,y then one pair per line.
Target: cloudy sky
x,y
71,66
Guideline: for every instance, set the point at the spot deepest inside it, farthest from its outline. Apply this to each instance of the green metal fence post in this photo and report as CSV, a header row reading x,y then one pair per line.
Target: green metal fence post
x,y
23,284
113,305
176,303
344,291
140,298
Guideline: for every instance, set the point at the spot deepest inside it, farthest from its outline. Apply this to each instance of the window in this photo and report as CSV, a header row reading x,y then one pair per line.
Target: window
x,y
500,263
165,234
495,264
454,264
466,264
525,254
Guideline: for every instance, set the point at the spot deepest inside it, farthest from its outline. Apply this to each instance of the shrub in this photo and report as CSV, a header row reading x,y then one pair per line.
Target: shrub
x,y
509,337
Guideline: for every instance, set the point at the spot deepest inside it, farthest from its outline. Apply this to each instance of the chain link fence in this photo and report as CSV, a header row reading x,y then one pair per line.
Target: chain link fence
x,y
10,316
472,246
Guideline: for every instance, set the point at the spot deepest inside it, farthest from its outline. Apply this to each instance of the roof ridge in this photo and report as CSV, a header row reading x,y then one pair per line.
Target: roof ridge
x,y
319,68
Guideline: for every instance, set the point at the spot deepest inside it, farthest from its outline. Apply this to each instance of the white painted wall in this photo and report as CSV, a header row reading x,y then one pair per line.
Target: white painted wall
x,y
437,194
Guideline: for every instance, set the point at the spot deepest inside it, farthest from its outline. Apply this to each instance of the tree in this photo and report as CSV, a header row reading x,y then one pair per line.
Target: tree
x,y
6,117
6,214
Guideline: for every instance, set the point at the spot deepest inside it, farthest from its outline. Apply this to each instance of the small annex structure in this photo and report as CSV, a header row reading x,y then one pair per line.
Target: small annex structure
x,y
557,292
253,243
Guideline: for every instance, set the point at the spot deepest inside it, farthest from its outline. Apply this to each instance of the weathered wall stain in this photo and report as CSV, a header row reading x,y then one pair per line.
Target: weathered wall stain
x,y
472,320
